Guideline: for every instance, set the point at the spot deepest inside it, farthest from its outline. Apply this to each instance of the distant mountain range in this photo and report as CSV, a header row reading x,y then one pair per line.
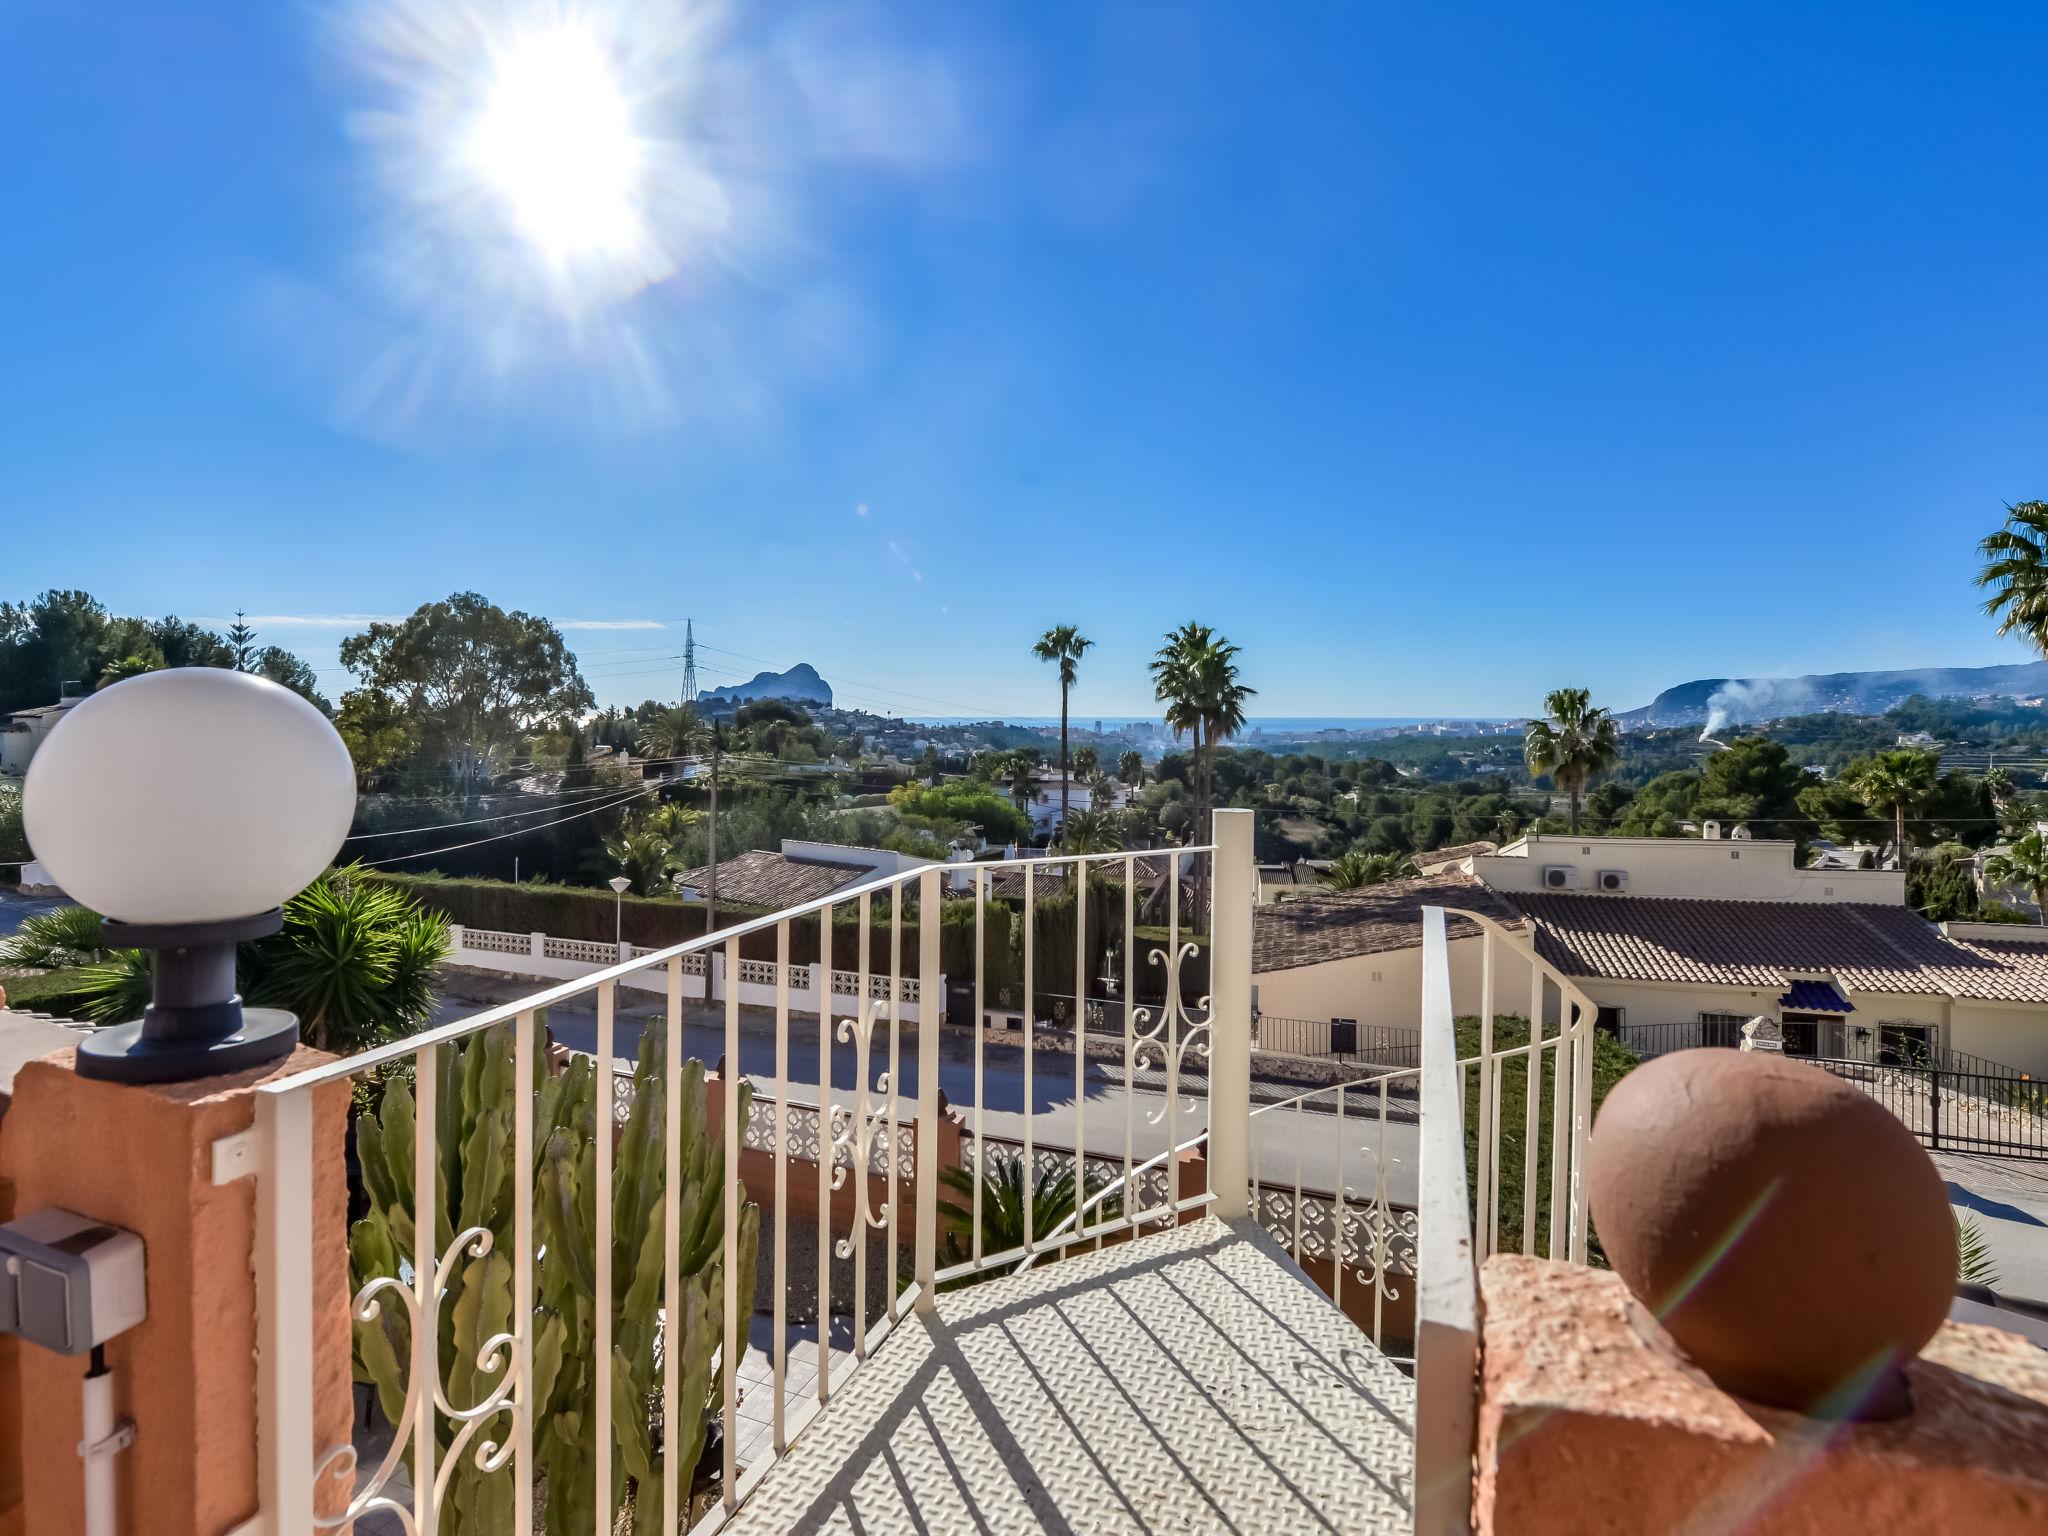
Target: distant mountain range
x,y
800,685
1717,701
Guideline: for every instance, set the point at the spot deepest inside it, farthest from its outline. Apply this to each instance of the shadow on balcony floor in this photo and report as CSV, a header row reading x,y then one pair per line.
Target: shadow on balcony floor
x,y
1191,1381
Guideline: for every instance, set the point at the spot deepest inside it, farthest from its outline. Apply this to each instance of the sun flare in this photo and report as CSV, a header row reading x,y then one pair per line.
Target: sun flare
x,y
553,142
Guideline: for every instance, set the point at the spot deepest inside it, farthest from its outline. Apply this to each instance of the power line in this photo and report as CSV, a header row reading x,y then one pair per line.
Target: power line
x,y
443,826
428,853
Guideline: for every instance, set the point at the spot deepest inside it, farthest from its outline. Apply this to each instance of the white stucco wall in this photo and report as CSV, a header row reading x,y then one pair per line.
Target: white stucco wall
x,y
1727,870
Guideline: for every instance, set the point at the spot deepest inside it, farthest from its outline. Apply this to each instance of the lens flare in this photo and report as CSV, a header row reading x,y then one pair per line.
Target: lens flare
x,y
555,141
595,215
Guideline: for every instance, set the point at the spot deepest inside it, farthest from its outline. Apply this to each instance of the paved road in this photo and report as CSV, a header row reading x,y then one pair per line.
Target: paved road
x,y
2008,1197
1098,1111
14,907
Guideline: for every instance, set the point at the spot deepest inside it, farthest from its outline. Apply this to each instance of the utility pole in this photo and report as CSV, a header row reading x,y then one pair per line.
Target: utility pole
x,y
711,885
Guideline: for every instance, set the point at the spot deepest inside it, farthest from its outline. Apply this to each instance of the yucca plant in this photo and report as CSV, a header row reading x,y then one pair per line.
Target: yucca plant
x,y
1974,1263
354,960
55,941
1002,1208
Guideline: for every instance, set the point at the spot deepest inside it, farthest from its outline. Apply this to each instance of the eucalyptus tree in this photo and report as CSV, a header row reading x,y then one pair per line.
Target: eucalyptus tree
x,y
1573,744
1063,644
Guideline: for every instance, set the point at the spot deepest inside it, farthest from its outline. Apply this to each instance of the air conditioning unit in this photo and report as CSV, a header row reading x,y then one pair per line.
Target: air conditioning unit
x,y
1559,877
1613,881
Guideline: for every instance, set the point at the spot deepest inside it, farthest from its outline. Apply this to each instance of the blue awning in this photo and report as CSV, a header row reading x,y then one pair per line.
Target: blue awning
x,y
1815,997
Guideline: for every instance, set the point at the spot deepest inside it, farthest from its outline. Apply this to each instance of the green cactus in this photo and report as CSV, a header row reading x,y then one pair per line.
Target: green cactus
x,y
475,1189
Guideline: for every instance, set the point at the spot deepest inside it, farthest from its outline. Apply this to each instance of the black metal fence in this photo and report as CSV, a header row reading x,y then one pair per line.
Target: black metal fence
x,y
2002,1113
1379,1045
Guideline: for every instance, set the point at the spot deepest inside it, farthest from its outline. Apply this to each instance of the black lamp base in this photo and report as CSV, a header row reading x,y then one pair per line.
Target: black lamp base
x,y
195,1025
125,1054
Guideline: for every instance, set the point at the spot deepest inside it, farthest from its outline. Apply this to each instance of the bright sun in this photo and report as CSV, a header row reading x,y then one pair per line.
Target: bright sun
x,y
554,141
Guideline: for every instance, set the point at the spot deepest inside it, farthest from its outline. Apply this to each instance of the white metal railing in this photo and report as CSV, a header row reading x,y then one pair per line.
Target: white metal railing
x,y
1319,1216
488,1427
1460,1207
548,955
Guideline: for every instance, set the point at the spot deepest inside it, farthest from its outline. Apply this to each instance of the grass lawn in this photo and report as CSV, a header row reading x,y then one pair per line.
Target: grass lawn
x,y
1612,1061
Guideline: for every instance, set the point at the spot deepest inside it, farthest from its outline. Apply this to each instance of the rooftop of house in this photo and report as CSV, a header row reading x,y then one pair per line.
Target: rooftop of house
x,y
1321,926
1442,858
767,879
1871,948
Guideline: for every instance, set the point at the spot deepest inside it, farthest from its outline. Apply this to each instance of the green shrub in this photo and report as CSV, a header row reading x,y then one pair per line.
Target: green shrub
x,y
1612,1061
54,941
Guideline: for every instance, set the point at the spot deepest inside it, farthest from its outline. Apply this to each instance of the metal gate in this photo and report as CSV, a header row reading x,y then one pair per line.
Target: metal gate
x,y
1959,1106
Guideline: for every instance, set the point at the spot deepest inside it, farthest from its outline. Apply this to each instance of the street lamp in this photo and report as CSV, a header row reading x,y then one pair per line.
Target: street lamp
x,y
620,885
185,806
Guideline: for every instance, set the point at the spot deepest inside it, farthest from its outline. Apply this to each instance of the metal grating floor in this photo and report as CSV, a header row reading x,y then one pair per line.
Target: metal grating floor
x,y
1189,1381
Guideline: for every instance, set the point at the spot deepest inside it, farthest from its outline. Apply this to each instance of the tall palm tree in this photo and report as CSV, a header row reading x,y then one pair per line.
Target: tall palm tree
x,y
1086,761
1573,744
2016,571
1130,767
1195,675
1999,784
2024,864
1065,644
1894,783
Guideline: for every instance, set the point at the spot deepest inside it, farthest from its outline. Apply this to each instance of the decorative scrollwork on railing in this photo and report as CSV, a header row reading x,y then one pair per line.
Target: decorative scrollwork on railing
x,y
498,1356
1173,1029
855,1128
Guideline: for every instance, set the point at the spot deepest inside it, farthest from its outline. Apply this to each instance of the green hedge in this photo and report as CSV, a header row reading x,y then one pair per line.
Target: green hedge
x,y
572,912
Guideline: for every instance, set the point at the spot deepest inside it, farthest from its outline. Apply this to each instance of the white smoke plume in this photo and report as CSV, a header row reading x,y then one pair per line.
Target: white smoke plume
x,y
1758,698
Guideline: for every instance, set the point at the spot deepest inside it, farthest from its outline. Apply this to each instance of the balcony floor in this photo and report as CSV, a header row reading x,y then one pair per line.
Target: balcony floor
x,y
1189,1381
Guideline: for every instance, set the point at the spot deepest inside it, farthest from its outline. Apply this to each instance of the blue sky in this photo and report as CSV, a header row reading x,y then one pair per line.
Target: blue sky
x,y
1439,355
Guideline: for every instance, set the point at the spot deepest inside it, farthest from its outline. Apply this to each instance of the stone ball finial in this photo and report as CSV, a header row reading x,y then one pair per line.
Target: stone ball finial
x,y
1784,1227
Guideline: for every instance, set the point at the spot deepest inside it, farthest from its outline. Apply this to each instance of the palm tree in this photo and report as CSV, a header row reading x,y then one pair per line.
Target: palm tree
x,y
1094,831
1999,784
644,854
1130,768
1086,761
1021,765
1002,1207
1195,675
1896,783
126,667
670,733
2024,864
2016,571
1063,643
1358,869
1575,743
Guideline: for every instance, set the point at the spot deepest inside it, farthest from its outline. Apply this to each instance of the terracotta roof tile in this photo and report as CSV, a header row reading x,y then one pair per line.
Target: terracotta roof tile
x,y
767,879
1336,925
1765,943
1458,853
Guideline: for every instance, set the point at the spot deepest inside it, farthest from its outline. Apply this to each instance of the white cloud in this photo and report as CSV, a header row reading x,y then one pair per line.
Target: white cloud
x,y
609,624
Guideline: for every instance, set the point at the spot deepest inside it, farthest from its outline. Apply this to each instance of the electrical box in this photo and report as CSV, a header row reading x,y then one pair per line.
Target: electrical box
x,y
68,1282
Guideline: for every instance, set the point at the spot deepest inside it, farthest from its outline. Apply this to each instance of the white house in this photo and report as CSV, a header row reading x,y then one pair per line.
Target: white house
x,y
1696,935
25,729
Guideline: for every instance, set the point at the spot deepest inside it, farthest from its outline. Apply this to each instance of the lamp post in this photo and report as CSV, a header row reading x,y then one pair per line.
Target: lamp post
x,y
185,806
619,884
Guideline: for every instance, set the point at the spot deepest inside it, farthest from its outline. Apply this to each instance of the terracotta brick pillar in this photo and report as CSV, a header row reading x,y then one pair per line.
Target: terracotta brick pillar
x,y
142,1158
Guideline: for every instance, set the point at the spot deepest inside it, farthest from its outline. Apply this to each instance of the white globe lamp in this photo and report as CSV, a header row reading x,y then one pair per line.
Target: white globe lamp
x,y
186,806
